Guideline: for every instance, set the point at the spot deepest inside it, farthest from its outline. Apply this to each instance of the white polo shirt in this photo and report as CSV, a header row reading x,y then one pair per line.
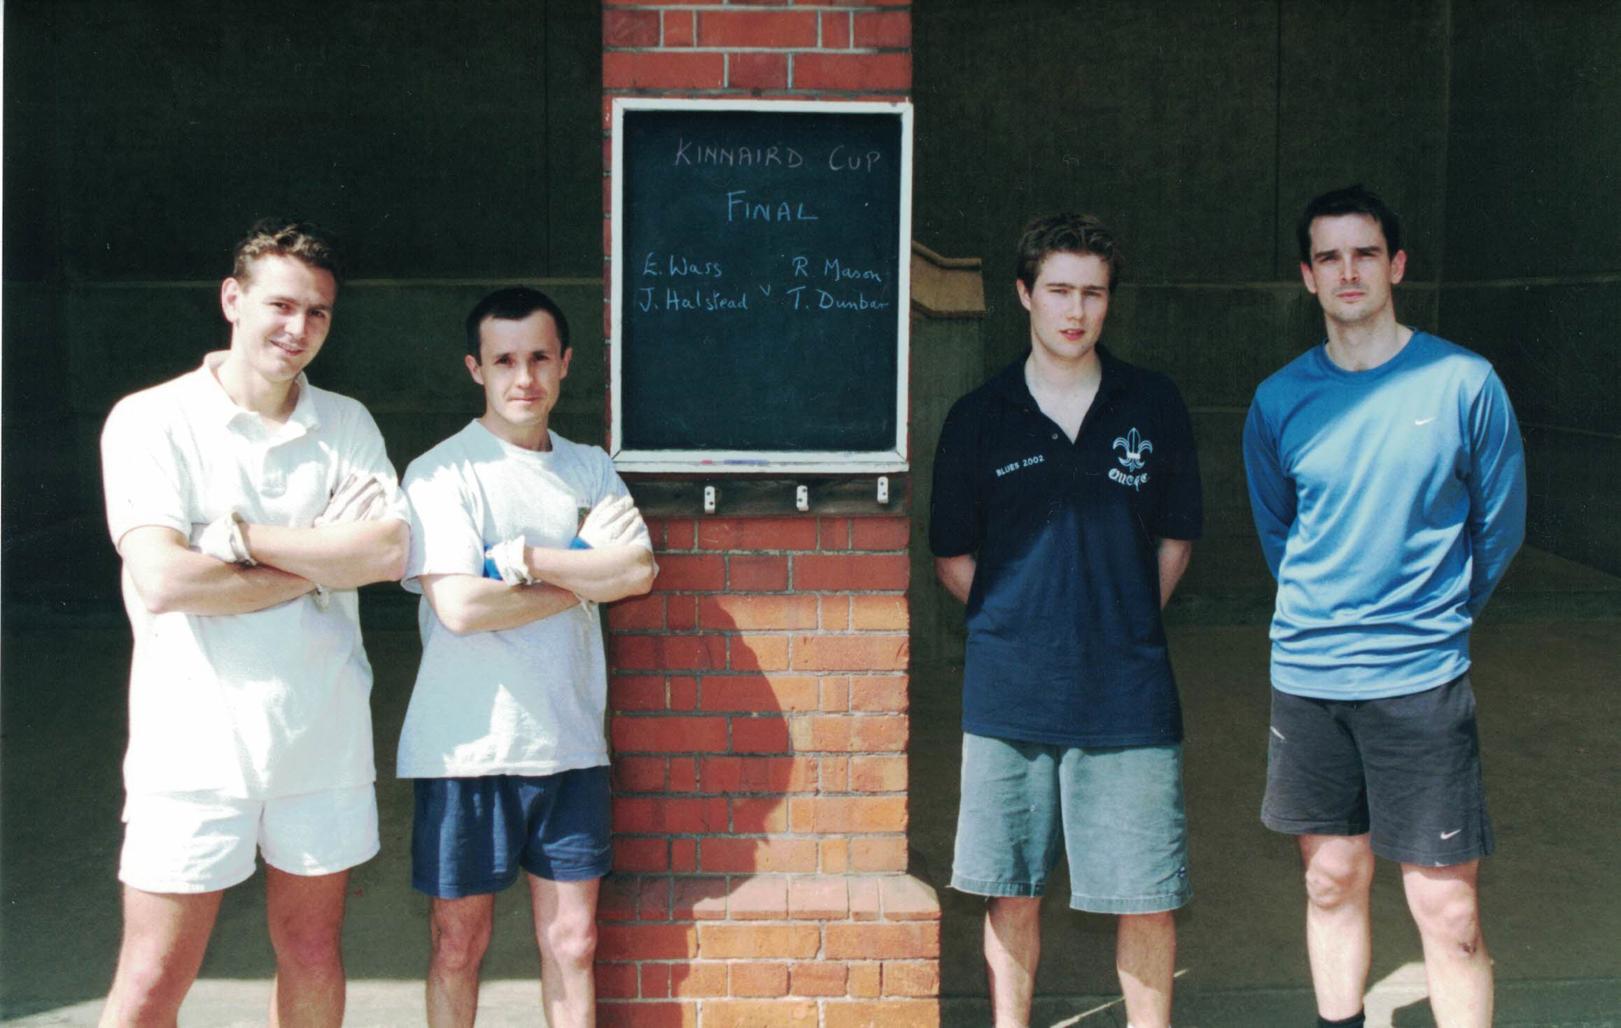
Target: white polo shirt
x,y
528,700
271,703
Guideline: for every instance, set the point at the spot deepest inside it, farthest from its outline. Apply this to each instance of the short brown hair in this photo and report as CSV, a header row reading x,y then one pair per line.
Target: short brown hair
x,y
1067,233
281,237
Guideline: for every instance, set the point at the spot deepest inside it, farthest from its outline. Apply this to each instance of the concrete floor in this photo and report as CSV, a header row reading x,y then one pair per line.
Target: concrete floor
x,y
1547,666
1553,913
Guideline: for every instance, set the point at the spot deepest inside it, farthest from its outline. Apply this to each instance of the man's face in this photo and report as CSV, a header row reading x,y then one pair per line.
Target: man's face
x,y
280,316
1067,305
1351,270
521,367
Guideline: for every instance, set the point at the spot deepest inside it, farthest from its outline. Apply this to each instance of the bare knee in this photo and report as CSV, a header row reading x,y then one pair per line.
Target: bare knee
x,y
1332,883
570,942
1453,921
164,937
1013,911
1446,907
1138,936
458,944
313,947
146,992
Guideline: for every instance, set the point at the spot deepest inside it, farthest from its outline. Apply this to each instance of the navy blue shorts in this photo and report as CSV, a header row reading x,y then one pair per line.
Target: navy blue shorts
x,y
470,836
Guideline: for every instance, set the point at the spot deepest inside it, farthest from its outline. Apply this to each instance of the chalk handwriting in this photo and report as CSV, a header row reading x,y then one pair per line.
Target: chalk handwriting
x,y
740,208
841,159
679,266
833,268
827,301
689,152
822,300
704,300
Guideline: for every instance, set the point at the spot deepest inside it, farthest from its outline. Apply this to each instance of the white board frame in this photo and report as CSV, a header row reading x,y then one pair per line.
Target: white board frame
x,y
761,461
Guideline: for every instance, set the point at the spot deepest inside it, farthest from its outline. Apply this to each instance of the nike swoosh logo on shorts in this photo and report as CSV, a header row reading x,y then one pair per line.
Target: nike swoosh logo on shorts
x,y
1447,835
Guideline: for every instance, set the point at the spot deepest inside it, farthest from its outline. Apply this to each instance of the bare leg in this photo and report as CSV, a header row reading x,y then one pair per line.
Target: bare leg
x,y
1339,939
566,929
305,913
165,936
460,933
1012,952
1445,902
1145,959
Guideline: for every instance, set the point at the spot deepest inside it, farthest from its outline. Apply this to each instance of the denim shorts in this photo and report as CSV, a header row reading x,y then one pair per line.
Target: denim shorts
x,y
1404,769
1117,811
470,836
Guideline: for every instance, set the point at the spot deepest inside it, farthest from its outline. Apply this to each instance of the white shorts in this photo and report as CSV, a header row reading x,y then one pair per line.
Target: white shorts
x,y
204,842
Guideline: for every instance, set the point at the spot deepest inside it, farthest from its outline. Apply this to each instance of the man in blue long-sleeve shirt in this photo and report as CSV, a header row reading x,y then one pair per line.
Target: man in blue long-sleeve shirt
x,y
1387,483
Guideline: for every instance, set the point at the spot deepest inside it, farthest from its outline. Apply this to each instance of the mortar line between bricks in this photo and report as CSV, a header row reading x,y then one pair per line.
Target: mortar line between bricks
x,y
737,93
834,8
661,51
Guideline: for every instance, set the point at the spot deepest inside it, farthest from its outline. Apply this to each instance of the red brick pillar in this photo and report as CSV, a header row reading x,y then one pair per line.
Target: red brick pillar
x,y
758,696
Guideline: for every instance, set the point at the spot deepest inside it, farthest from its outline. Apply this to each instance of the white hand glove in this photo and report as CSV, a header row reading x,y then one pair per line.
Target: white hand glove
x,y
508,558
613,522
359,498
222,540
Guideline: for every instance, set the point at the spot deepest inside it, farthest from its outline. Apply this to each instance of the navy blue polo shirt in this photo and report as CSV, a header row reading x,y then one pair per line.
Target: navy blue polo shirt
x,y
1065,643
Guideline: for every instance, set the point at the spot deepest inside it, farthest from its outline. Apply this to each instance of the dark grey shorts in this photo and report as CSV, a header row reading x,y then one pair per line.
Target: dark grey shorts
x,y
1405,769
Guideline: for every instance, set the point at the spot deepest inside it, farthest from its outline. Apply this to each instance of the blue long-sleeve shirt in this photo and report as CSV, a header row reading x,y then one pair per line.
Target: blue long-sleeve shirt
x,y
1389,503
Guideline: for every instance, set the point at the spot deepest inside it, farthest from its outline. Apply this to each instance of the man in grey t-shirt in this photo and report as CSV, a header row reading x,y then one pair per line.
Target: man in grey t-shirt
x,y
519,532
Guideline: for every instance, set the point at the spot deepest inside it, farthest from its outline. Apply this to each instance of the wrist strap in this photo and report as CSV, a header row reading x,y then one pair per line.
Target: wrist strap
x,y
239,544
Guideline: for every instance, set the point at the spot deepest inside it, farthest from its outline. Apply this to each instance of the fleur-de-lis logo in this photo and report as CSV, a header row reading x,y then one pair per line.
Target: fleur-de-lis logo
x,y
1134,446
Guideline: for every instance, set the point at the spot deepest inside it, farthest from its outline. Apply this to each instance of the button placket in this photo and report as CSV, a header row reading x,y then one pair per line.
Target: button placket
x,y
272,471
272,477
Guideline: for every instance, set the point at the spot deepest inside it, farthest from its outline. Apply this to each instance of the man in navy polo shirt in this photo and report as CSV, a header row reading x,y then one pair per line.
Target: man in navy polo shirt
x,y
1066,499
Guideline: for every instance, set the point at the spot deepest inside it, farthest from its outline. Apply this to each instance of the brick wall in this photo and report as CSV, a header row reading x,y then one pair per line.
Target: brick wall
x,y
832,50
759,729
758,697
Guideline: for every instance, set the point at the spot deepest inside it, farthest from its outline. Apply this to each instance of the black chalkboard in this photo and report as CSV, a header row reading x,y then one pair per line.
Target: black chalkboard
x,y
760,289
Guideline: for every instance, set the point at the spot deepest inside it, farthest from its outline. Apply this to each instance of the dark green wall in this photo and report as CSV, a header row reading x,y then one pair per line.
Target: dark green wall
x,y
1199,131
1533,247
449,146
1196,130
457,145
439,140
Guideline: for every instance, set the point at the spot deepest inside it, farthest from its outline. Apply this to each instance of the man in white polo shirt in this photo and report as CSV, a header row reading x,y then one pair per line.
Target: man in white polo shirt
x,y
248,506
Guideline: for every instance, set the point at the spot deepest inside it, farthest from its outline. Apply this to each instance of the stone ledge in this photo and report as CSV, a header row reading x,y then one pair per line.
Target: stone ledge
x,y
946,287
868,897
